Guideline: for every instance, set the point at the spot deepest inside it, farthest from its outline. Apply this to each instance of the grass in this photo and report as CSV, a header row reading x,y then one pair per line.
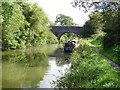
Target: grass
x,y
96,41
110,55
89,70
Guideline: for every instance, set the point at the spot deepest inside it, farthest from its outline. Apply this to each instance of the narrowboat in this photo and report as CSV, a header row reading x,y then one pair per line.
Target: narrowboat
x,y
71,45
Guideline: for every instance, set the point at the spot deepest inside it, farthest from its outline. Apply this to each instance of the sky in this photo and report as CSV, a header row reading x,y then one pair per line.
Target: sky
x,y
54,7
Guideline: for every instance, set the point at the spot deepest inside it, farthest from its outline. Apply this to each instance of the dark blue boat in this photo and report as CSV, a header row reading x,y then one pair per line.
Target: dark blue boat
x,y
69,47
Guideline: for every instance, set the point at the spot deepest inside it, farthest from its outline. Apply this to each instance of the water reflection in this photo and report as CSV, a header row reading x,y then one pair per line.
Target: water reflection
x,y
61,57
24,68
54,72
58,65
35,67
0,72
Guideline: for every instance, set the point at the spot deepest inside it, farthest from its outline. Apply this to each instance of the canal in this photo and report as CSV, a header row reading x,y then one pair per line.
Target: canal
x,y
34,67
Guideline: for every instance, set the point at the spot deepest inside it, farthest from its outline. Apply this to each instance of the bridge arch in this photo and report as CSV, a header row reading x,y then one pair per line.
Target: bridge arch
x,y
61,34
58,31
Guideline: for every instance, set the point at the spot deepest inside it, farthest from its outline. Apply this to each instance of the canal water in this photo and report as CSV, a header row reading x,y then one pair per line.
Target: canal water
x,y
34,67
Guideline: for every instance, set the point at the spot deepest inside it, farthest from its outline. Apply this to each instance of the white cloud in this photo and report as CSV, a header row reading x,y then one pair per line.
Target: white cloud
x,y
55,7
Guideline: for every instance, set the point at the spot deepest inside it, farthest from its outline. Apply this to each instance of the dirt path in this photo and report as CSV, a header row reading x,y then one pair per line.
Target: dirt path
x,y
115,66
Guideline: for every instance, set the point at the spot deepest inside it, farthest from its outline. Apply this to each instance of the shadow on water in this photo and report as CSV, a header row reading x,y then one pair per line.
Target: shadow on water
x,y
27,68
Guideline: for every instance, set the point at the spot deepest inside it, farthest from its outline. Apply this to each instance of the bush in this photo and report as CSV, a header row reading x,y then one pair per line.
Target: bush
x,y
24,24
89,70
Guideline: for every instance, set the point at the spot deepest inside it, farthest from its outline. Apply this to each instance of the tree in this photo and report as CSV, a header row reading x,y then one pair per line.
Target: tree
x,y
110,14
102,5
24,24
111,21
38,25
94,25
13,20
64,20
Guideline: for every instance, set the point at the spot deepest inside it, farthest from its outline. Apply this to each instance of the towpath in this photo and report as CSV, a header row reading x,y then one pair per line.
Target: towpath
x,y
114,65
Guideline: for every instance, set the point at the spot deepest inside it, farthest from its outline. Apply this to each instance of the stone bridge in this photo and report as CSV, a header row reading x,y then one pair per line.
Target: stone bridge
x,y
58,31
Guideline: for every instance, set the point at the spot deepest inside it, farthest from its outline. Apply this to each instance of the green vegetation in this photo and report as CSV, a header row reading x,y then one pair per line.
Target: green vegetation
x,y
67,36
63,20
105,18
94,25
96,40
24,24
89,70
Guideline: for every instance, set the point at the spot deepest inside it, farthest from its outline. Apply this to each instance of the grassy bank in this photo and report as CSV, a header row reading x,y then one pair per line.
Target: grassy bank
x,y
96,40
89,70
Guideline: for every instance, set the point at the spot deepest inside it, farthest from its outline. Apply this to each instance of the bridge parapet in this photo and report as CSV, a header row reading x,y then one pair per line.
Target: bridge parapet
x,y
66,28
